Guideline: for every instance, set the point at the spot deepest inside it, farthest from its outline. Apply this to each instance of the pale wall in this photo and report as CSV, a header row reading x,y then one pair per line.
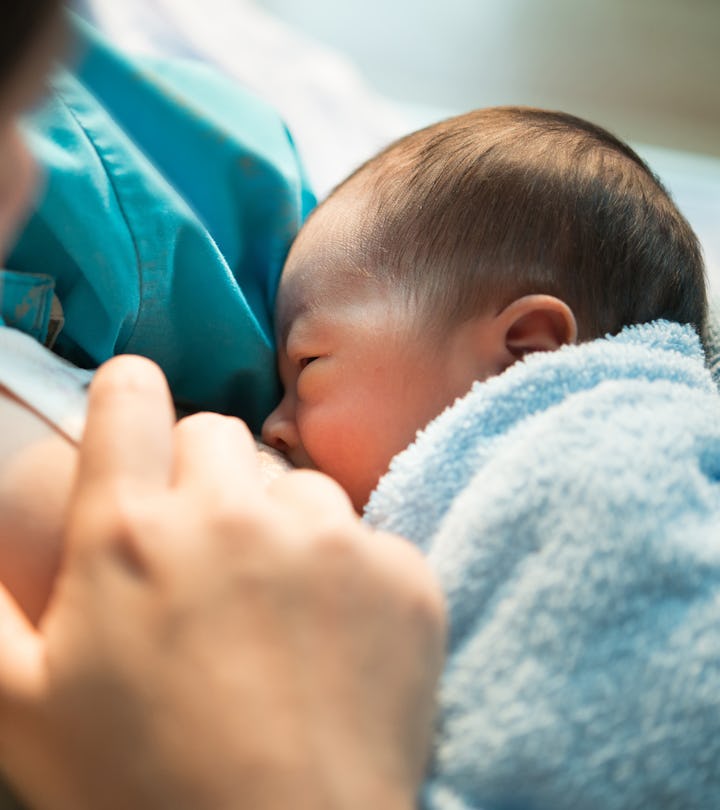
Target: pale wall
x,y
647,69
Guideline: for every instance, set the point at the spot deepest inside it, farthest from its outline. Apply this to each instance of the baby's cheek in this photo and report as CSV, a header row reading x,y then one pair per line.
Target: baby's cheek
x,y
333,445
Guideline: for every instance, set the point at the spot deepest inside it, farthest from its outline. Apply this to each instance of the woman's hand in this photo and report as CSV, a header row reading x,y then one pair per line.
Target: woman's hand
x,y
211,642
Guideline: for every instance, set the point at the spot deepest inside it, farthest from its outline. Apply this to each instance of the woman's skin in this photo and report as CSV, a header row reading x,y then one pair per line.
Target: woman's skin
x,y
36,464
203,650
200,639
37,470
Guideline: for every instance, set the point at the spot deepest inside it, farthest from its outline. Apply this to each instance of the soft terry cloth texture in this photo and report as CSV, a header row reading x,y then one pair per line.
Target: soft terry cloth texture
x,y
571,509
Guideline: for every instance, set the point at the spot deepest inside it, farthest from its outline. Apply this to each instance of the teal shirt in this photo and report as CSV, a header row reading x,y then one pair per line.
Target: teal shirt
x,y
171,198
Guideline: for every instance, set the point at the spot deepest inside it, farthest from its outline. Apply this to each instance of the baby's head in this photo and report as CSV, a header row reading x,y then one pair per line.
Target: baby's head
x,y
452,254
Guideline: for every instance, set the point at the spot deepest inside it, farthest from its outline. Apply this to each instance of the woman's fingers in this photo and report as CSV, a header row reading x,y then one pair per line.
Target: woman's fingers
x,y
128,434
125,455
216,456
311,494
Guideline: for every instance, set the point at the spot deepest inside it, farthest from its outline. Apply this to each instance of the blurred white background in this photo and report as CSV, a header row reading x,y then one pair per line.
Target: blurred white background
x,y
348,76
647,69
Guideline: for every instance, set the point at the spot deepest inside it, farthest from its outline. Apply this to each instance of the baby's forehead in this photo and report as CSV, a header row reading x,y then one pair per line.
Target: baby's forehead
x,y
327,251
291,303
315,291
306,287
327,260
339,222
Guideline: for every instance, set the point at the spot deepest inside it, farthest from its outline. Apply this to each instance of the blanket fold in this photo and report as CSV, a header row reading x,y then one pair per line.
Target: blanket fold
x,y
571,509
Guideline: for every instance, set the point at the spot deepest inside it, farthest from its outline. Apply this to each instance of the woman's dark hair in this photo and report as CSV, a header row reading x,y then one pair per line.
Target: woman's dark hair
x,y
22,21
483,208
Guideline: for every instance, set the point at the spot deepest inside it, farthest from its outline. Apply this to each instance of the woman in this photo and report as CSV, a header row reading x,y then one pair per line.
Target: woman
x,y
196,651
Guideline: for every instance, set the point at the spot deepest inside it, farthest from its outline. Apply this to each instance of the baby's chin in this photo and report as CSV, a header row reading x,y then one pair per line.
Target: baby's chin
x,y
272,462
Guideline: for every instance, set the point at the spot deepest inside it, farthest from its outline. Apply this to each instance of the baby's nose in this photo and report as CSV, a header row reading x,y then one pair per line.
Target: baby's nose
x,y
279,431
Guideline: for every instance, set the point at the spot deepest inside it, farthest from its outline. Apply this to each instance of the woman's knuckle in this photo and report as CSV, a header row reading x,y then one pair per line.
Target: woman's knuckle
x,y
118,512
335,542
427,603
312,492
206,421
238,523
414,580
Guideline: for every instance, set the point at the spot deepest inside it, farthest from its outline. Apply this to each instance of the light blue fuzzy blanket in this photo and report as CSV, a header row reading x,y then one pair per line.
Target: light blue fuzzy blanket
x,y
571,508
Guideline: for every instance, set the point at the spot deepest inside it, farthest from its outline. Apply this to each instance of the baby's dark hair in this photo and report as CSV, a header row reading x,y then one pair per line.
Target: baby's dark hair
x,y
473,212
22,22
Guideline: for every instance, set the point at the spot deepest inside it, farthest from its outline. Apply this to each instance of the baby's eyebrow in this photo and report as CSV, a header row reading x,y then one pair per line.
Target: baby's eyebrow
x,y
290,315
293,309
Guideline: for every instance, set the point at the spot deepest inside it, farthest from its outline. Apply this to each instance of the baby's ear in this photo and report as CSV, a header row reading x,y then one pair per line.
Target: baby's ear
x,y
538,323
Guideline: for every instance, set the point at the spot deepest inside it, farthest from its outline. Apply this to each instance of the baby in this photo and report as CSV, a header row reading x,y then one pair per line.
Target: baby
x,y
442,261
450,256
